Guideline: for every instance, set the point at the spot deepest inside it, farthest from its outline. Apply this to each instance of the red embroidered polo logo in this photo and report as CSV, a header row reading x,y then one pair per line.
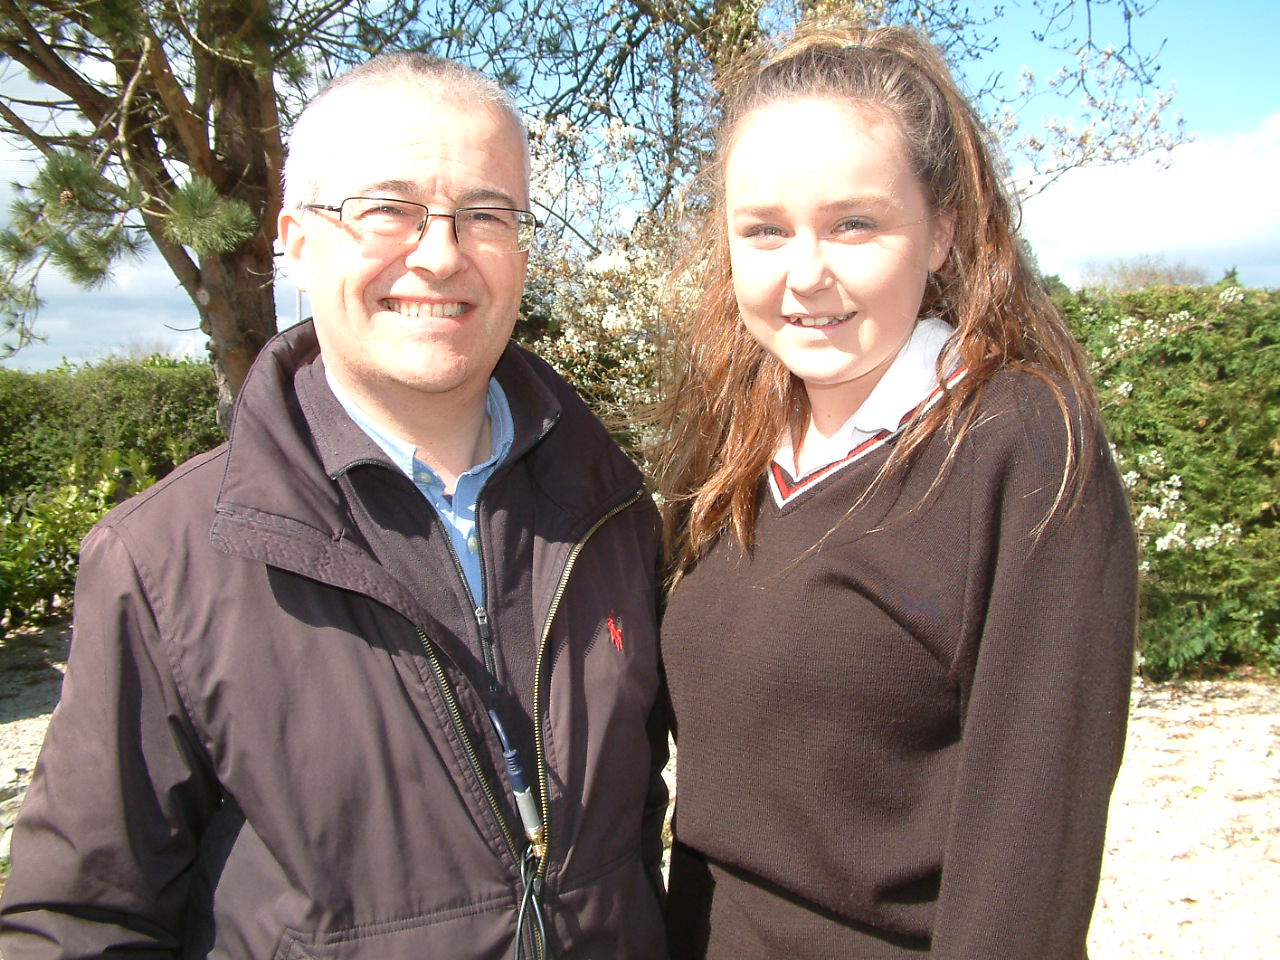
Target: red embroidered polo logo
x,y
615,633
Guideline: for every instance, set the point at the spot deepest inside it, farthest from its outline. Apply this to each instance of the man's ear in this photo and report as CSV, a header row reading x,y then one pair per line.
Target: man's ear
x,y
944,229
292,236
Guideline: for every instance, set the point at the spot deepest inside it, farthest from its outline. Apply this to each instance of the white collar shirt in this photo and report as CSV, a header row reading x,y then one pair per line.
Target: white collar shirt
x,y
911,378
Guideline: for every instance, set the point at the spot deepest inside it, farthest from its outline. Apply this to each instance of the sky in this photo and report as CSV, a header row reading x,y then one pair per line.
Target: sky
x,y
1211,204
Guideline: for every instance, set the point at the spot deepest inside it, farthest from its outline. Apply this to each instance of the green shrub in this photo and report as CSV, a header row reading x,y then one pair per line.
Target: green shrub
x,y
40,539
163,410
1189,379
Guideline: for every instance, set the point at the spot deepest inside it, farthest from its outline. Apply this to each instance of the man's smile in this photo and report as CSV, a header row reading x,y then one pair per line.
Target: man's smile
x,y
415,309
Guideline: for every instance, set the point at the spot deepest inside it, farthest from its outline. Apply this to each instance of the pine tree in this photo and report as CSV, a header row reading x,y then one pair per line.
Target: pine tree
x,y
159,122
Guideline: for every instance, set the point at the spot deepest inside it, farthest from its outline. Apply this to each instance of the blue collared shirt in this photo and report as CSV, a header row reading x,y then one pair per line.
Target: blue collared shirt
x,y
457,513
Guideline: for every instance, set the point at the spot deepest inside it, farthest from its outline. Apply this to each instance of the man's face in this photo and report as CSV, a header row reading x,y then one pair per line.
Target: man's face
x,y
398,323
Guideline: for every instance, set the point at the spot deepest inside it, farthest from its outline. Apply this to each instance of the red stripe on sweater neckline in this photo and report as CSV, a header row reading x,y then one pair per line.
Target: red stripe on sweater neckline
x,y
788,488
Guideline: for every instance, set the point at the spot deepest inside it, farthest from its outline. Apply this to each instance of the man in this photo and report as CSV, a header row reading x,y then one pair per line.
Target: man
x,y
308,667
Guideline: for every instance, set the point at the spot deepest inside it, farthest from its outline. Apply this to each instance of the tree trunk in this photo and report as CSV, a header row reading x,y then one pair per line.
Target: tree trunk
x,y
235,299
237,311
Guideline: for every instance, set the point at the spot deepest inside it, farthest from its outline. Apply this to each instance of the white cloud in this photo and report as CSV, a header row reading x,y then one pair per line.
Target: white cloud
x,y
1215,206
141,310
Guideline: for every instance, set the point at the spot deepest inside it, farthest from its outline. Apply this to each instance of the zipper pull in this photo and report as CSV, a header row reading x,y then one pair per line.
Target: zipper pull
x,y
486,648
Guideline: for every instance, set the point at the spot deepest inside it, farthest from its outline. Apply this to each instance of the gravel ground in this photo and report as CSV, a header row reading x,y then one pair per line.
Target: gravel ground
x,y
1192,867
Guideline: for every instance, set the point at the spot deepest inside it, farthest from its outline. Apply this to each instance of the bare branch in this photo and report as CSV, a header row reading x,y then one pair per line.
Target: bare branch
x,y
23,130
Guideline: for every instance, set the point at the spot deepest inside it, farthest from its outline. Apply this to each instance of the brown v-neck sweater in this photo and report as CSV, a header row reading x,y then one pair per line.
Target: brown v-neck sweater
x,y
904,742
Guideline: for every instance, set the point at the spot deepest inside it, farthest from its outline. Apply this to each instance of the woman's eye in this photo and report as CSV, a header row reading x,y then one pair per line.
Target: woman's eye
x,y
854,228
761,232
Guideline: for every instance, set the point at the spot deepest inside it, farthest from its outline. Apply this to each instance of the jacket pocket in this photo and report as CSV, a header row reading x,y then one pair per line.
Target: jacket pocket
x,y
482,930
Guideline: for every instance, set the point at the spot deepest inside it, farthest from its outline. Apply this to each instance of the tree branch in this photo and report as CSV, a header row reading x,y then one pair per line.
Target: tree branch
x,y
26,132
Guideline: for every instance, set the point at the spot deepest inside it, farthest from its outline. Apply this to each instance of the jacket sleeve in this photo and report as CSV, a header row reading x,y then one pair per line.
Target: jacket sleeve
x,y
103,846
1046,692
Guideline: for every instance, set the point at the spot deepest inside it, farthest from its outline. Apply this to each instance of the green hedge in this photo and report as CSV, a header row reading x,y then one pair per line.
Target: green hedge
x,y
1189,379
73,442
40,541
159,409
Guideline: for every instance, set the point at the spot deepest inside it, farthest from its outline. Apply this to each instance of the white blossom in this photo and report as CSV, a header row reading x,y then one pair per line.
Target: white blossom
x,y
612,260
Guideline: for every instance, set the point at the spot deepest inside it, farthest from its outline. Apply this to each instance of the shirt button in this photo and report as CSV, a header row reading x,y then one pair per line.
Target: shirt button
x,y
473,544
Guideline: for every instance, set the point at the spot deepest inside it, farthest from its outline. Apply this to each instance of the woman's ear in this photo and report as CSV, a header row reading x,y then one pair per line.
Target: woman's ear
x,y
944,228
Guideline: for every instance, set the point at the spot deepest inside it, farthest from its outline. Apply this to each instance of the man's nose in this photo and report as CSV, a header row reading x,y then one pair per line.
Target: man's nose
x,y
437,251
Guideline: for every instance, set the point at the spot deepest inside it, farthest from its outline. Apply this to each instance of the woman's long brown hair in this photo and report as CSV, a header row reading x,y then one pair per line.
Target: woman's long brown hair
x,y
730,399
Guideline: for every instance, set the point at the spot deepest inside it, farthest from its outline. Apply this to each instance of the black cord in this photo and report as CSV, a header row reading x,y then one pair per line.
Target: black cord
x,y
531,906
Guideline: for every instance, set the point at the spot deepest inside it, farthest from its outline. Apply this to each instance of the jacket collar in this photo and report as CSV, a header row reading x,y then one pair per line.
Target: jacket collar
x,y
290,438
341,444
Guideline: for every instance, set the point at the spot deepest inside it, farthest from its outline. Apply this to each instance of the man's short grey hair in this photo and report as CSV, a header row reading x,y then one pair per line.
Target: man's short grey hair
x,y
313,132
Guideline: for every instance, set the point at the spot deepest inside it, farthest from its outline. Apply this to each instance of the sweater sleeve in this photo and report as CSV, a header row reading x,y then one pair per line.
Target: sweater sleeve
x,y
1046,688
109,829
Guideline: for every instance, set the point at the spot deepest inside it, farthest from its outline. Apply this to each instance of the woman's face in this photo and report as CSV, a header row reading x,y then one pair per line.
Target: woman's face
x,y
831,240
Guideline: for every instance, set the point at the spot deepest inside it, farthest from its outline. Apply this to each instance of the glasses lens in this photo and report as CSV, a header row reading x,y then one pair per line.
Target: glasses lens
x,y
494,230
384,221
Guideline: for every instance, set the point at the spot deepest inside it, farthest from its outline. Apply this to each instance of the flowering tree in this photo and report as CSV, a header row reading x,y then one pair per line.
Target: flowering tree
x,y
614,161
654,65
158,123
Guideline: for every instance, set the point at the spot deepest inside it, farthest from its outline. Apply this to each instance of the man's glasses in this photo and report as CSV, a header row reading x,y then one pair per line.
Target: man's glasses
x,y
382,222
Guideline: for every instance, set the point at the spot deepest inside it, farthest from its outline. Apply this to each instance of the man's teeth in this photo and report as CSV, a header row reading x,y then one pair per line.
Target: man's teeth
x,y
416,308
819,321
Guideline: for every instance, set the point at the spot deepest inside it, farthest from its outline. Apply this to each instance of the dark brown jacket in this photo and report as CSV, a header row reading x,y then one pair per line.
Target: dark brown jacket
x,y
271,746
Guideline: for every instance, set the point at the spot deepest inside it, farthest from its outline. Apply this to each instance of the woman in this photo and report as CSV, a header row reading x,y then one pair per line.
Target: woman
x,y
900,636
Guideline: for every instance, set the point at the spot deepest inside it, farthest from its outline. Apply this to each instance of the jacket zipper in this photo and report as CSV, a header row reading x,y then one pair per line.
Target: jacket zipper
x,y
486,644
486,637
539,746
485,632
481,613
455,714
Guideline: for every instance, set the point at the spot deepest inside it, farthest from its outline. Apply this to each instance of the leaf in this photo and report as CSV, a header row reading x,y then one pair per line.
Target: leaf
x,y
207,222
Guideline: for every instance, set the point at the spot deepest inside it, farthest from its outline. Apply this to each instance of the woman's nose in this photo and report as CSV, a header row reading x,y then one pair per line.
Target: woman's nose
x,y
808,271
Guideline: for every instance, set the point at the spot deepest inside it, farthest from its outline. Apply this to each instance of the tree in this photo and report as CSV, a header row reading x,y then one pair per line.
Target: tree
x,y
160,121
655,65
1128,274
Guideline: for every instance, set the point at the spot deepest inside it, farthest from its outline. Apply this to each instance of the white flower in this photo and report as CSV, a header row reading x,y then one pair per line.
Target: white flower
x,y
613,320
612,260
1177,537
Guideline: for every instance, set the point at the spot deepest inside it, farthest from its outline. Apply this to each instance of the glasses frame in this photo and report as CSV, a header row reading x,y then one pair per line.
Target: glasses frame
x,y
428,215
